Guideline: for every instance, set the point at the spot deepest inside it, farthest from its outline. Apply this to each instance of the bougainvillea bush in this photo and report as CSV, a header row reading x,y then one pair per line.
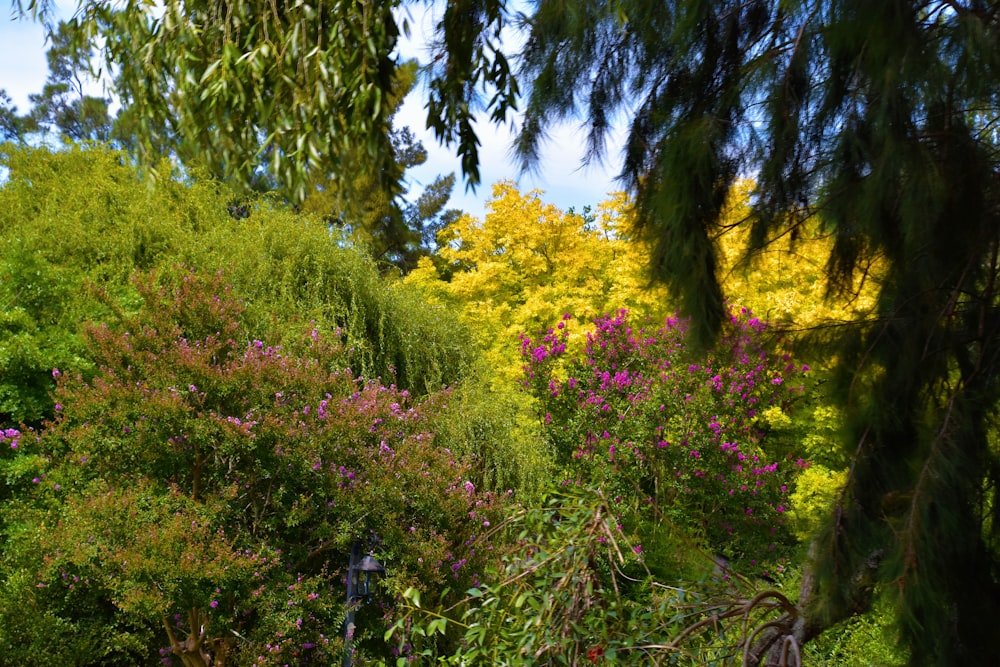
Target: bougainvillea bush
x,y
195,500
673,435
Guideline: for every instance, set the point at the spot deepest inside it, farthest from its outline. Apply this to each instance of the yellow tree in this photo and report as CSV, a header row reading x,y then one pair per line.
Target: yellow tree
x,y
785,281
528,263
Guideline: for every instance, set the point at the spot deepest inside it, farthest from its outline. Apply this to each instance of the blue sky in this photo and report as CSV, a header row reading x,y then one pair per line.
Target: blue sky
x,y
565,183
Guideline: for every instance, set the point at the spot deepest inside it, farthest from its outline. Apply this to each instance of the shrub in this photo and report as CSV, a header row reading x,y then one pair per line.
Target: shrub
x,y
201,491
669,434
83,217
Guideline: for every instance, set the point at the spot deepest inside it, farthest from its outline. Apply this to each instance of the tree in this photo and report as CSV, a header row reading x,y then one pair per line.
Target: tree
x,y
246,84
394,231
63,106
10,123
879,120
83,216
527,263
368,203
672,436
241,85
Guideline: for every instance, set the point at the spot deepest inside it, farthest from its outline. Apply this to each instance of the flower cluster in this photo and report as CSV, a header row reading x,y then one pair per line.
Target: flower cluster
x,y
10,437
662,428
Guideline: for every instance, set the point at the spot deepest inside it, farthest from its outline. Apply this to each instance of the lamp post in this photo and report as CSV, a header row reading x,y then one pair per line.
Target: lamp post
x,y
360,573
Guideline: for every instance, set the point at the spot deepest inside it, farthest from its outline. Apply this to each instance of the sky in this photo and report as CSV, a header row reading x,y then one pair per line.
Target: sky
x,y
565,183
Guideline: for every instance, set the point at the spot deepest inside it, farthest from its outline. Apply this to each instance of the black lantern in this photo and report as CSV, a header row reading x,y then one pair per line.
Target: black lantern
x,y
362,574
361,571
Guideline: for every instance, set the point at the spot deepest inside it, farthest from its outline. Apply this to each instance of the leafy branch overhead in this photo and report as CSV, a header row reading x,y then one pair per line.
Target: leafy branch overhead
x,y
293,86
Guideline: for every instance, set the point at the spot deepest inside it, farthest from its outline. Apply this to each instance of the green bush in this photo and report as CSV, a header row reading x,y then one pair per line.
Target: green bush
x,y
79,222
201,489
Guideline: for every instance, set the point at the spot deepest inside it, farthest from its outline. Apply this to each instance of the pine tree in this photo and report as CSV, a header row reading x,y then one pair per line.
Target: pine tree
x,y
64,106
879,119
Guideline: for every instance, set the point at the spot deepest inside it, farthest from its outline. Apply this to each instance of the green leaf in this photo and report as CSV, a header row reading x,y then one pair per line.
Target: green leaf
x,y
438,625
413,595
392,630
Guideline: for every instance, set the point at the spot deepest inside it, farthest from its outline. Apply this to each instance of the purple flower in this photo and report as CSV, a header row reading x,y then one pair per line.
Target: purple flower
x,y
55,373
213,604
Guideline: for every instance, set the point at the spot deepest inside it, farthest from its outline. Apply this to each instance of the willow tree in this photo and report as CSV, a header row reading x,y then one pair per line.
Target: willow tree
x,y
237,86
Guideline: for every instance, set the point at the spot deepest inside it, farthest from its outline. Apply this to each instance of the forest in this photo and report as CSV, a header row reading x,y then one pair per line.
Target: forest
x,y
740,413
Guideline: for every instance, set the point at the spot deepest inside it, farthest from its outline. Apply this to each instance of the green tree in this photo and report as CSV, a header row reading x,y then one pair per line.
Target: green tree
x,y
63,106
371,208
236,86
11,124
393,230
82,217
877,117
244,85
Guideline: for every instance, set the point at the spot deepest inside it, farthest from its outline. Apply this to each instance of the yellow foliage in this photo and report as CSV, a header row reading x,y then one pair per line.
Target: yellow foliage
x,y
774,417
785,282
528,263
815,492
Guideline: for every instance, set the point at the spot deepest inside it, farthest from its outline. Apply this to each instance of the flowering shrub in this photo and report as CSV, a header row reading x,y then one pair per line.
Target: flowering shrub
x,y
203,489
669,432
